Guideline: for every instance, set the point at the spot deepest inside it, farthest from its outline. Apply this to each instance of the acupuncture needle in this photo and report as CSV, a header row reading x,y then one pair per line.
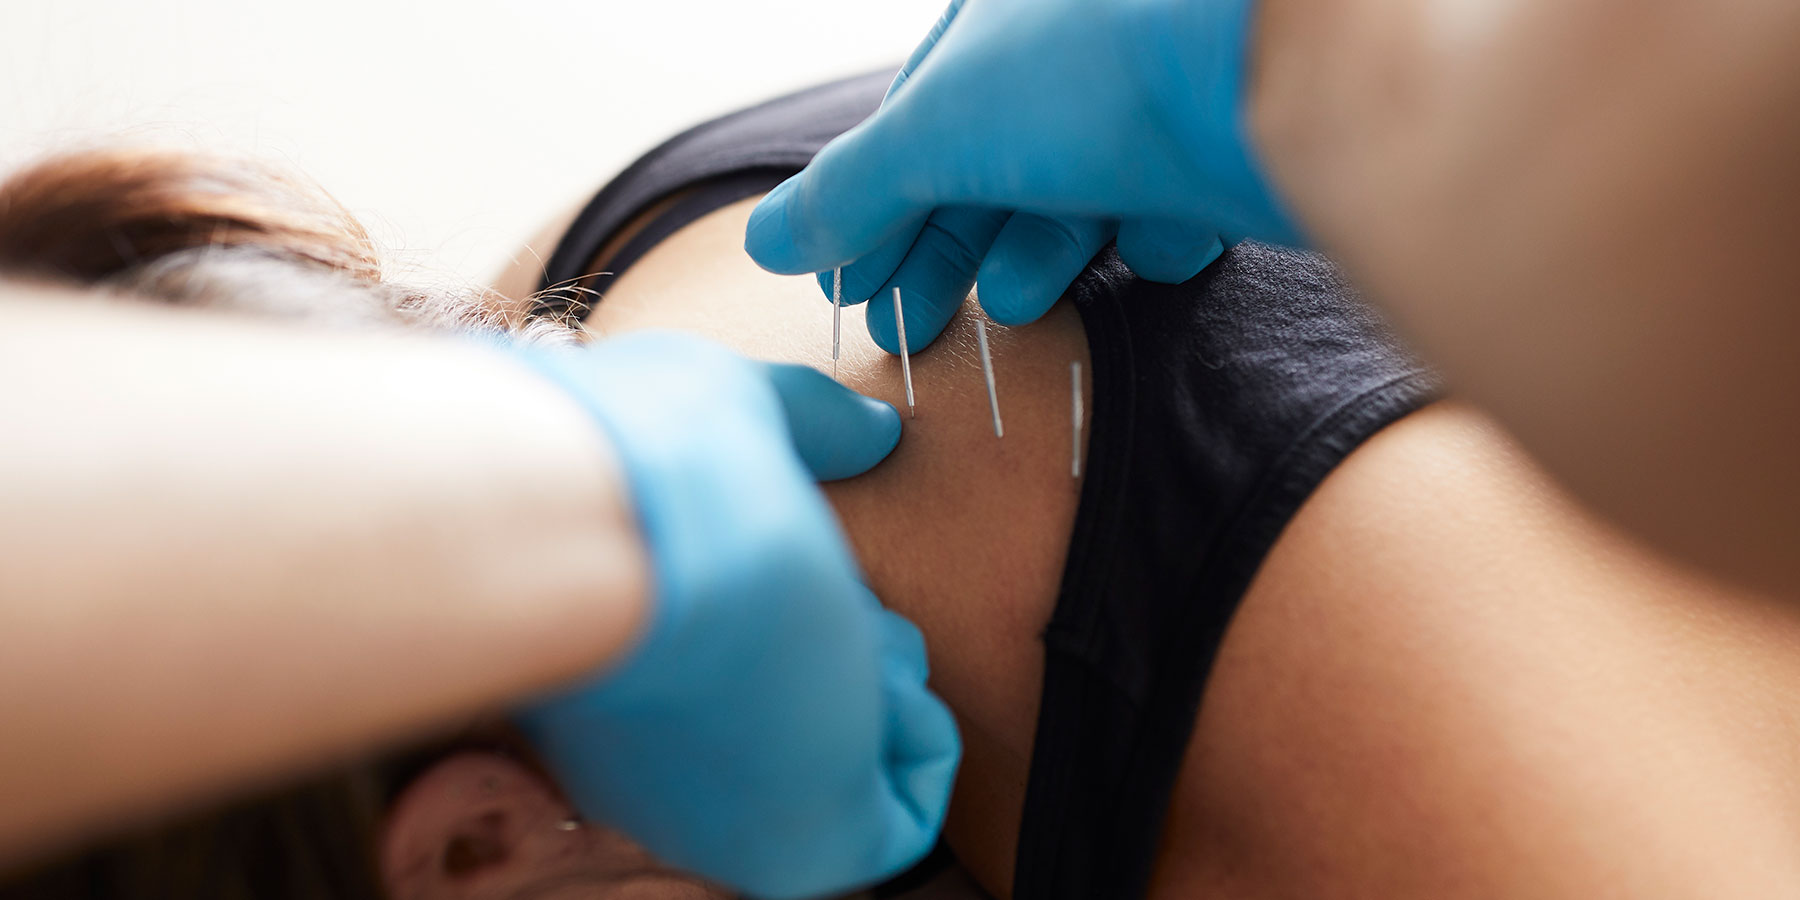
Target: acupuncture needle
x,y
987,371
837,318
1075,414
905,359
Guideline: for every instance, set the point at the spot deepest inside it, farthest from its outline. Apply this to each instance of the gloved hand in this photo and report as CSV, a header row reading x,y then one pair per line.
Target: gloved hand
x,y
771,730
1020,138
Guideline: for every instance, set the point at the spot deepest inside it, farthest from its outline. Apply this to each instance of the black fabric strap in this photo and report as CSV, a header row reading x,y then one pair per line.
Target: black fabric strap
x,y
756,146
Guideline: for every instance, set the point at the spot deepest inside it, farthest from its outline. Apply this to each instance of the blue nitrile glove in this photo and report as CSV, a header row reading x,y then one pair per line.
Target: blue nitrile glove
x,y
771,730
1020,138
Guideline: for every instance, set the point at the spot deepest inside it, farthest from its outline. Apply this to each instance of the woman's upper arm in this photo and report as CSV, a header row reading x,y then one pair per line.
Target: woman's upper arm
x,y
1448,681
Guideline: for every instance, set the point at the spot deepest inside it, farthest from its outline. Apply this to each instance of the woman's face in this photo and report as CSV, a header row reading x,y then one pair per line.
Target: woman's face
x,y
482,825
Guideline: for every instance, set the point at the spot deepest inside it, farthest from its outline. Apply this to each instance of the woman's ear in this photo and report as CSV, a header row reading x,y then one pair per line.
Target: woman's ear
x,y
464,822
481,824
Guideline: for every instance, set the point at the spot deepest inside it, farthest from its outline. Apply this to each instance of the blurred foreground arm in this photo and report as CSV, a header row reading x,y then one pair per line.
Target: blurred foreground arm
x,y
1585,212
230,550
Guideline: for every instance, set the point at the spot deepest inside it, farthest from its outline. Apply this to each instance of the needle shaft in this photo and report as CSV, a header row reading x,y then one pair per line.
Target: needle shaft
x,y
1075,416
905,355
837,318
987,372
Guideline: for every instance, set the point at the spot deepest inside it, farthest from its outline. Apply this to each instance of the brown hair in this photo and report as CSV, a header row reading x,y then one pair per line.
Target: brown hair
x,y
229,233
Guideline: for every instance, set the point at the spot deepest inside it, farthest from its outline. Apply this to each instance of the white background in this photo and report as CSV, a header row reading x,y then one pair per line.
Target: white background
x,y
454,128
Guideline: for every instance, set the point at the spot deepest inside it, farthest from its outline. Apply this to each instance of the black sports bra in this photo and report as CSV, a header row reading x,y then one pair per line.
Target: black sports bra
x,y
1219,405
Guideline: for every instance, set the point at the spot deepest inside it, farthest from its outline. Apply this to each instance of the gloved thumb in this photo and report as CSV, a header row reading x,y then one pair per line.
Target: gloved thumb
x,y
838,432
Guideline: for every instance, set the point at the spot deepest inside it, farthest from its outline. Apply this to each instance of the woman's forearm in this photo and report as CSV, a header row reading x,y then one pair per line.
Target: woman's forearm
x,y
229,549
1582,211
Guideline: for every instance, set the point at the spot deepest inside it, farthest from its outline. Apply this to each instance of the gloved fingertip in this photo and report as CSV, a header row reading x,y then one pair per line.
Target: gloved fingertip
x,y
885,427
1212,255
1159,268
881,324
1180,270
1008,299
862,280
926,316
1167,252
770,237
837,432
864,434
1033,261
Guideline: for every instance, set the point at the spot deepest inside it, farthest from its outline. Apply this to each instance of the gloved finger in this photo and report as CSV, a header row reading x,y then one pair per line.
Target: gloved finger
x,y
837,432
863,278
1033,261
924,49
1168,250
923,747
867,187
935,276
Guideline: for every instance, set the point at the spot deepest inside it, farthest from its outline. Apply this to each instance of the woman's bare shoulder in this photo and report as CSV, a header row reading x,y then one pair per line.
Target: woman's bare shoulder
x,y
1449,680
963,532
935,517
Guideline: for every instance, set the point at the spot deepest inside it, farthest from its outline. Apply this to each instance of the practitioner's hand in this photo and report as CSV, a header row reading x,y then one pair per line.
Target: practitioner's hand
x,y
1020,138
772,730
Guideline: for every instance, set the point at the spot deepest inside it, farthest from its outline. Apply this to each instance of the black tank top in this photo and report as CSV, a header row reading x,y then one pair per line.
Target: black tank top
x,y
1218,406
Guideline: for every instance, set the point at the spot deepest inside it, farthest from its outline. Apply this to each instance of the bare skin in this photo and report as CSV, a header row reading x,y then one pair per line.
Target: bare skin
x,y
1447,680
